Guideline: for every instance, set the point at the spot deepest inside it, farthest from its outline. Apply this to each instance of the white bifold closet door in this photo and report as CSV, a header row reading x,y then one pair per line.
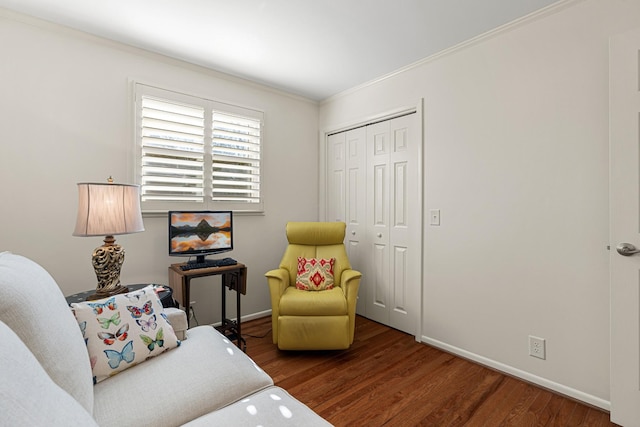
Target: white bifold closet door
x,y
346,192
373,185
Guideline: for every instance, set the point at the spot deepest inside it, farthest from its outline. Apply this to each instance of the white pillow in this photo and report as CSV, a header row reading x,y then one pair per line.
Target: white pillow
x,y
124,330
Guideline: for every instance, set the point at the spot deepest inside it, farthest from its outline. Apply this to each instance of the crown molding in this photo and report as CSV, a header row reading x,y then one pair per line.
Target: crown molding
x,y
510,26
137,50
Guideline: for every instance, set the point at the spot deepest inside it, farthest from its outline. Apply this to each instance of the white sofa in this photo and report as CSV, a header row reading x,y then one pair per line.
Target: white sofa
x,y
46,377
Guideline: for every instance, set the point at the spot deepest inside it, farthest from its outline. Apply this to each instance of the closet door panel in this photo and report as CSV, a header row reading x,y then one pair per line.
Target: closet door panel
x,y
405,217
378,215
400,220
335,209
400,297
356,176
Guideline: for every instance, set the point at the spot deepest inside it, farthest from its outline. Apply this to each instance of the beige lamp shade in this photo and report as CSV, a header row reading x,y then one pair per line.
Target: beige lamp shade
x,y
108,209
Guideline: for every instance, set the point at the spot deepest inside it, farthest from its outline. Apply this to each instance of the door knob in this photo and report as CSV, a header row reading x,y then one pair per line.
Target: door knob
x,y
627,249
379,234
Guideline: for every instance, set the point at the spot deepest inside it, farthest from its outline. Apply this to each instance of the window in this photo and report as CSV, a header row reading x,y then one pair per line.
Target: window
x,y
194,153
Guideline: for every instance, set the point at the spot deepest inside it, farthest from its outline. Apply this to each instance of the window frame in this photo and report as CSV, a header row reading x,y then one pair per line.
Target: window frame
x,y
150,207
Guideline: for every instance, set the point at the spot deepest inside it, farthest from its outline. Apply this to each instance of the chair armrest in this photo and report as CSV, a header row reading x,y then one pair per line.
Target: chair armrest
x,y
350,282
178,320
278,281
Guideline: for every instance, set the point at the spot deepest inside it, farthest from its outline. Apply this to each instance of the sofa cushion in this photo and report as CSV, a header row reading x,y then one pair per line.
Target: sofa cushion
x,y
315,274
206,373
124,330
295,302
270,407
28,396
32,305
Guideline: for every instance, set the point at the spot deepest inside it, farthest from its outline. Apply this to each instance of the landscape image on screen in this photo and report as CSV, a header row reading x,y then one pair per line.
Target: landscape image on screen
x,y
194,232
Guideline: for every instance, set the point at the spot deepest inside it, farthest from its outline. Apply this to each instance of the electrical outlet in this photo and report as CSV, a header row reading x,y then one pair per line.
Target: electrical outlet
x,y
537,347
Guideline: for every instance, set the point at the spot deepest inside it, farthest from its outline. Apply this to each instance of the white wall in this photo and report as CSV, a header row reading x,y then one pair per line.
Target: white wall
x,y
65,117
516,159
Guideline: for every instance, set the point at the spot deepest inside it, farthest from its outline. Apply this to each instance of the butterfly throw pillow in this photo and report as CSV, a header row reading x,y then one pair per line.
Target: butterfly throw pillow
x,y
315,274
123,330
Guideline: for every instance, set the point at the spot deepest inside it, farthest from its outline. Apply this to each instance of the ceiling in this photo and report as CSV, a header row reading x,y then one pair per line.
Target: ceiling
x,y
312,48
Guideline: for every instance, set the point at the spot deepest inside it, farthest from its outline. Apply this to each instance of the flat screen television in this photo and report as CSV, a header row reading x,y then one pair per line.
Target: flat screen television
x,y
200,233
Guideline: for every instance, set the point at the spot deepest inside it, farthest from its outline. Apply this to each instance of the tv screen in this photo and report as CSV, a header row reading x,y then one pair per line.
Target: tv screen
x,y
200,233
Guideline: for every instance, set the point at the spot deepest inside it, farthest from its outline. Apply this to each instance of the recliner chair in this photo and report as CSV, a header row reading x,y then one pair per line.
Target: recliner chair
x,y
314,319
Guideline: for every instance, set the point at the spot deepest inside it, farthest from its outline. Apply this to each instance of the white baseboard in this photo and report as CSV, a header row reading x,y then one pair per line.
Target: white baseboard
x,y
526,376
257,315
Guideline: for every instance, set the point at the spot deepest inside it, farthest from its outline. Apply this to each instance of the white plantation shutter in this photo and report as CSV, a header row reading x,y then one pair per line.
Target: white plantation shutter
x,y
194,153
172,151
236,158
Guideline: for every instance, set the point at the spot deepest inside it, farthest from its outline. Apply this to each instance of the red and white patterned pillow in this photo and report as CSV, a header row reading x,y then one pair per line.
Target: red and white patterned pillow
x,y
315,274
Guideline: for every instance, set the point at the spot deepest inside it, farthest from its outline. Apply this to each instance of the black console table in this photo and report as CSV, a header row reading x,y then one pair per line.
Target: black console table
x,y
234,277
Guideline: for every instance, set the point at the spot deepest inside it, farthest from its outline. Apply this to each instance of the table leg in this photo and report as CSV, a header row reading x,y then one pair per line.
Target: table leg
x,y
224,299
186,297
238,317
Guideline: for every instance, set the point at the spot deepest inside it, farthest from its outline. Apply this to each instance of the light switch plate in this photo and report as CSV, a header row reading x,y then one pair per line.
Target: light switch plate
x,y
434,217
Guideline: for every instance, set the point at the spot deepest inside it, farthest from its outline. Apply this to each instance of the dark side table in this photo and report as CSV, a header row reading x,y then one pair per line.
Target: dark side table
x,y
234,278
164,292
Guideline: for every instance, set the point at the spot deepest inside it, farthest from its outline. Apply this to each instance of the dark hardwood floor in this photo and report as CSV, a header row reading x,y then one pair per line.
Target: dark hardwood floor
x,y
387,378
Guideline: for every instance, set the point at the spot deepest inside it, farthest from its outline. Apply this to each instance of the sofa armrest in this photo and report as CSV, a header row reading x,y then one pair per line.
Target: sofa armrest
x,y
178,320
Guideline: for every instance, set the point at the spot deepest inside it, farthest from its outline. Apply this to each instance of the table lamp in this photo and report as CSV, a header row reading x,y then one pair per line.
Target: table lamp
x,y
107,210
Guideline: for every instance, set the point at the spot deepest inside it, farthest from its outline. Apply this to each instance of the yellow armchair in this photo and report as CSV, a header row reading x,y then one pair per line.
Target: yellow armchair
x,y
313,320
